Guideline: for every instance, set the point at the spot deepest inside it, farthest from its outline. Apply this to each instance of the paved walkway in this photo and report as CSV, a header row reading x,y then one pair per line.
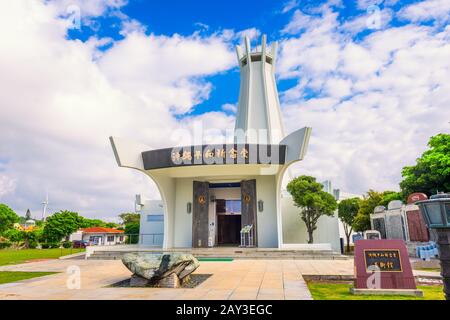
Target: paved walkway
x,y
239,279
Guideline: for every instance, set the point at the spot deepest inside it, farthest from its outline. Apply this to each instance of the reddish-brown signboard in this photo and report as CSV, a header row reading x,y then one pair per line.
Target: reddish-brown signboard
x,y
389,258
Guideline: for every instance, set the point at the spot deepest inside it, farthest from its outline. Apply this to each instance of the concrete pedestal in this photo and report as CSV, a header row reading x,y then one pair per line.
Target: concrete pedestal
x,y
396,292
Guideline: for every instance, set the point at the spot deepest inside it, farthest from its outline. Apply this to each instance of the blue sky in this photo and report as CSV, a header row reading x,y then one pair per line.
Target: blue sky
x,y
371,77
207,17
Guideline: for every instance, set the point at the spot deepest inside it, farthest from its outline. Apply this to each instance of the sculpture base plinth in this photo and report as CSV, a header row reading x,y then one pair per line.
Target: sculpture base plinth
x,y
392,292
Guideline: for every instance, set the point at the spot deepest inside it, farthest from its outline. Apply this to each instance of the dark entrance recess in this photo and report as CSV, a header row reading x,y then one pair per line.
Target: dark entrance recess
x,y
228,229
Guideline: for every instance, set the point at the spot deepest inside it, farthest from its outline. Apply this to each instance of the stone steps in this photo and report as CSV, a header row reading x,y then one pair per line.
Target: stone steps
x,y
276,255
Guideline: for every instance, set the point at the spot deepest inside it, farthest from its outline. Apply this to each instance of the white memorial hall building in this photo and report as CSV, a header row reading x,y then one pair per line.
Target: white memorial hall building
x,y
209,193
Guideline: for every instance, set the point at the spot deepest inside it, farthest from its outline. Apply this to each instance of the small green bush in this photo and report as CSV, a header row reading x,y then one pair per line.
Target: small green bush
x,y
45,245
54,245
32,245
50,245
4,245
67,244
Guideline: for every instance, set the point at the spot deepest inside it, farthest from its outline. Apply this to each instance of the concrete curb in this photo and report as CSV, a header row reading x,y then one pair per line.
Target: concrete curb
x,y
71,256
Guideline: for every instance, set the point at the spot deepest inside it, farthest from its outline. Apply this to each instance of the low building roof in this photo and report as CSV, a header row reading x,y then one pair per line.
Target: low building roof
x,y
101,230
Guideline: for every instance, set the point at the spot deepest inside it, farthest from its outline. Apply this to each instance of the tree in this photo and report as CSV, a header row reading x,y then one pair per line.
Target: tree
x,y
61,225
111,225
7,218
132,230
389,196
129,217
29,238
432,170
366,207
13,235
89,223
312,200
347,211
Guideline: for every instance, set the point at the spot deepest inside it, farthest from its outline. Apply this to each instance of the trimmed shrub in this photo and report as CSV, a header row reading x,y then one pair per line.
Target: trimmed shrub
x,y
4,245
55,245
67,244
50,245
32,245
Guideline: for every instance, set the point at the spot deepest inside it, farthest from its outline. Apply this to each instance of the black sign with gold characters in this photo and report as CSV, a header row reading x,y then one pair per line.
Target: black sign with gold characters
x,y
387,260
214,155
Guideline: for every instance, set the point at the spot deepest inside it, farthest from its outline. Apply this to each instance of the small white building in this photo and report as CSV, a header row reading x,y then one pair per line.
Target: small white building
x,y
99,236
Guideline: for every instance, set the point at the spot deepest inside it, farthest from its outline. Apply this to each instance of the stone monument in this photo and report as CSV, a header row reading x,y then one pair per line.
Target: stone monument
x,y
167,270
383,267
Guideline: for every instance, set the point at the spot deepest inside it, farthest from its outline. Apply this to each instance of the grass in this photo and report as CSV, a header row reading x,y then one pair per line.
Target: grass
x,y
220,259
9,256
9,276
340,291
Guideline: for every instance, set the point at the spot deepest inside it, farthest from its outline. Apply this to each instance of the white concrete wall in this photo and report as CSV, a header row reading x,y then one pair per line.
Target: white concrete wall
x,y
267,219
76,236
294,229
182,229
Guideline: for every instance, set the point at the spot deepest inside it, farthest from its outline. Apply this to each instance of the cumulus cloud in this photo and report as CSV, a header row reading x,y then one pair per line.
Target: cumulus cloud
x,y
372,102
289,5
87,8
61,99
230,107
426,11
375,102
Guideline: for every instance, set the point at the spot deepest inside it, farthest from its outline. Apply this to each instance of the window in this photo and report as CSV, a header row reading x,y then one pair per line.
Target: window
x,y
154,218
256,58
110,239
121,238
233,206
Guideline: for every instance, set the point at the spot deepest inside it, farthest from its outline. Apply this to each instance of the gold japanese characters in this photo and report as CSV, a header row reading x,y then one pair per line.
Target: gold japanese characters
x,y
209,153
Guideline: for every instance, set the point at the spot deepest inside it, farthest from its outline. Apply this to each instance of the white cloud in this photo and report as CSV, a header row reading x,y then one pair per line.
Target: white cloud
x,y
151,67
251,33
378,100
130,26
88,8
60,100
7,185
230,107
299,22
426,11
289,5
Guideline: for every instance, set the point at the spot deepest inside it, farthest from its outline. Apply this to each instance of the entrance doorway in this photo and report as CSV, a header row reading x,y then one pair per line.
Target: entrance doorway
x,y
221,210
228,229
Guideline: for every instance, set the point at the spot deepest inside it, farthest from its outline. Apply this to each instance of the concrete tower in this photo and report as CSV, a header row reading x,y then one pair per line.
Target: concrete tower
x,y
258,114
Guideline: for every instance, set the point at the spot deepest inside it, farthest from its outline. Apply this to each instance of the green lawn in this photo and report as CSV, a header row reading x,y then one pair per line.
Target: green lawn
x,y
340,291
8,256
7,276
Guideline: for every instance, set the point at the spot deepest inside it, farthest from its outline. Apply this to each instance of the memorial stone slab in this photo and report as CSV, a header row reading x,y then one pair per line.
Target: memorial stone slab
x,y
394,227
